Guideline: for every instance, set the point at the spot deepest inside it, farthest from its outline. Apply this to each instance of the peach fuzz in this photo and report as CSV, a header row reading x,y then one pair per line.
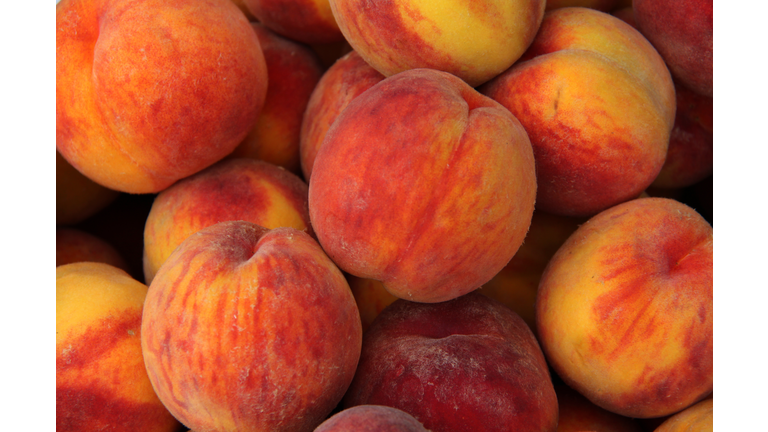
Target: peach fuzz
x,y
77,196
474,40
577,414
233,189
516,284
624,309
698,417
101,382
423,184
468,364
149,92
74,245
246,328
294,70
682,31
371,418
598,104
341,83
307,21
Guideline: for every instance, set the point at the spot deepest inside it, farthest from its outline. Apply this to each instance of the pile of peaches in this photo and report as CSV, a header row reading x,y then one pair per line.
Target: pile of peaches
x,y
394,215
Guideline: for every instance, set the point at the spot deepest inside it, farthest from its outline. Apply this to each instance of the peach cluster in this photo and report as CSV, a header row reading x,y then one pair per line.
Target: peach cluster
x,y
384,216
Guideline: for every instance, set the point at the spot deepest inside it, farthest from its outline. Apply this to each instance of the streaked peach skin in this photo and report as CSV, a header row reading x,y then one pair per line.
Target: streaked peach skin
x,y
423,184
74,245
294,70
341,83
77,196
371,418
598,104
101,382
468,364
578,414
696,418
246,328
516,284
683,33
307,21
233,189
624,309
474,40
149,92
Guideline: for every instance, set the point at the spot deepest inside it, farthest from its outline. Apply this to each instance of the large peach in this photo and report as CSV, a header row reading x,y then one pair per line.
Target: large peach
x,y
624,308
474,40
307,21
101,381
341,83
424,184
468,364
683,33
233,189
598,104
152,91
77,197
294,70
246,328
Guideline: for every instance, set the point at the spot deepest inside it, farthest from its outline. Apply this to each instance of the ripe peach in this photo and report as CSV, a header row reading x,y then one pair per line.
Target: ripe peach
x,y
682,32
624,308
371,418
423,184
152,91
341,83
246,328
598,104
698,417
473,40
307,21
294,70
516,284
77,197
101,382
74,245
233,189
468,364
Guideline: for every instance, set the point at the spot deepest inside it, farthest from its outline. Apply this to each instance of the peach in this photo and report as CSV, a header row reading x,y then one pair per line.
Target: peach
x,y
149,92
698,417
101,381
307,21
233,189
341,83
371,298
371,418
77,197
74,245
246,328
624,309
577,414
598,104
682,32
294,70
468,364
474,40
423,184
516,284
